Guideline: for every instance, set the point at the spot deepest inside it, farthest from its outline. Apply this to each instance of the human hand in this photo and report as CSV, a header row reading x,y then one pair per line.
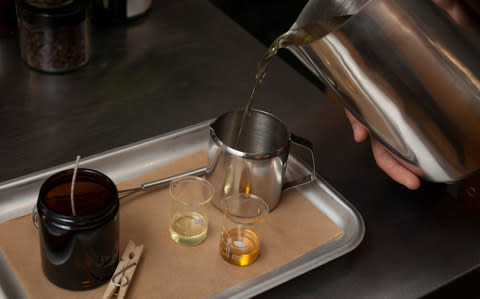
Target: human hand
x,y
384,159
463,12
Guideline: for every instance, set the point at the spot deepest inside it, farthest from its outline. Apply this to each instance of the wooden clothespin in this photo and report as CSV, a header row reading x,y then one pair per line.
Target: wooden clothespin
x,y
123,275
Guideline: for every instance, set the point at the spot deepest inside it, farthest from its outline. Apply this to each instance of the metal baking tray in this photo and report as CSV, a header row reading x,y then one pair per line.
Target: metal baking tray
x,y
17,198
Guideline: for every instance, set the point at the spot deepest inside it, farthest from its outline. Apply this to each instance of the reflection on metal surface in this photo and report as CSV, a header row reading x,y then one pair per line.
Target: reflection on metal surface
x,y
409,73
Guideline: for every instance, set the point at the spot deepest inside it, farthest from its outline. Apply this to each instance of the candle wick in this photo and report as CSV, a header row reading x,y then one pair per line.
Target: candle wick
x,y
77,162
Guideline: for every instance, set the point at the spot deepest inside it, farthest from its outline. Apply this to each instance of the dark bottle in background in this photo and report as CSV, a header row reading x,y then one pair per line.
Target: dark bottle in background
x,y
8,21
119,11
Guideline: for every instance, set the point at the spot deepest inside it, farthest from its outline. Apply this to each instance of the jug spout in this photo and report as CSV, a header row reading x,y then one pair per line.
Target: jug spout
x,y
408,72
320,11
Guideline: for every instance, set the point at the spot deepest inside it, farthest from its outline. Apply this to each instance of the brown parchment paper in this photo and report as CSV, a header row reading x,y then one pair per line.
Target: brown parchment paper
x,y
166,269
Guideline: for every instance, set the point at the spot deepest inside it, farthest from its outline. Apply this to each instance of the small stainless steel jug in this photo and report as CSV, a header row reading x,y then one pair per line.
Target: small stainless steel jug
x,y
253,161
408,72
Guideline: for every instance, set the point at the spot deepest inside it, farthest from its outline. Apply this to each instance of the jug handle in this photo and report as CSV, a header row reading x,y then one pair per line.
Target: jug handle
x,y
305,143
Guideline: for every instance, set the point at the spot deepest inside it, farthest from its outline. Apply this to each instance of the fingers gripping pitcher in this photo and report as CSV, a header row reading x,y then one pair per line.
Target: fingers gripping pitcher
x,y
406,70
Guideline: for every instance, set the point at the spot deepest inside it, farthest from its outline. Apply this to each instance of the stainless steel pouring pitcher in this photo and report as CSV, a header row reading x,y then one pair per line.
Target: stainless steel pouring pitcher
x,y
253,161
407,71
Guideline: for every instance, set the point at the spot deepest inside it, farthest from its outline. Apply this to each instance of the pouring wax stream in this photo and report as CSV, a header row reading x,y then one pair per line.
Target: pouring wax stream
x,y
295,37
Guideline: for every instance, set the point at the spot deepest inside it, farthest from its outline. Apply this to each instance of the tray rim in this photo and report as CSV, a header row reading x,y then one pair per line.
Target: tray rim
x,y
246,289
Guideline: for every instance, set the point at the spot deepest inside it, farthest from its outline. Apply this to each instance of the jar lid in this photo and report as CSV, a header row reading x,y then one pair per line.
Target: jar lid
x,y
97,204
48,3
71,14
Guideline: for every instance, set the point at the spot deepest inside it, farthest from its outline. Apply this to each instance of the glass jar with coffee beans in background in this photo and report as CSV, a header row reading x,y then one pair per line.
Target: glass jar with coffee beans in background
x,y
54,34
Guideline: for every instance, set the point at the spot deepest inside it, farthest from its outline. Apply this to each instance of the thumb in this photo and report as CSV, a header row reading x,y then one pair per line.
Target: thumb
x,y
360,133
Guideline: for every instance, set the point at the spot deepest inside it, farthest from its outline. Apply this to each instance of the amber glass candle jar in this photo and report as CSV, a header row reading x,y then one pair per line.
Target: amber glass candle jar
x,y
78,252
